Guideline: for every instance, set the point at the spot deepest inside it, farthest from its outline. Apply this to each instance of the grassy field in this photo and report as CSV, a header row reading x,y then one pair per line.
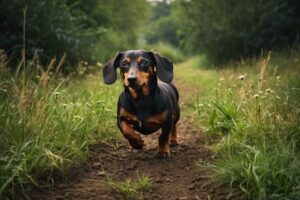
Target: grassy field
x,y
252,115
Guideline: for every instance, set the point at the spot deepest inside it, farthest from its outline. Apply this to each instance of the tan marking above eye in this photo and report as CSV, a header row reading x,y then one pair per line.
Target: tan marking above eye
x,y
139,59
128,60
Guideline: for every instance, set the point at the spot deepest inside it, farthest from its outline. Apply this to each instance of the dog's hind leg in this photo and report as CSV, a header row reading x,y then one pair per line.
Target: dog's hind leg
x,y
163,140
173,136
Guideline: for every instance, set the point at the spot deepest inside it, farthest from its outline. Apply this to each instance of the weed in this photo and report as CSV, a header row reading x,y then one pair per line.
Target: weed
x,y
131,189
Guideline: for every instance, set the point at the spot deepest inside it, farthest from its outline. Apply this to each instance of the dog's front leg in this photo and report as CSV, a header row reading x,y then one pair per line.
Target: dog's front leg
x,y
163,140
135,140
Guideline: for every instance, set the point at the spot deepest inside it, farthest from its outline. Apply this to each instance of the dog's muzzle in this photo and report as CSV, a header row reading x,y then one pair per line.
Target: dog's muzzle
x,y
133,82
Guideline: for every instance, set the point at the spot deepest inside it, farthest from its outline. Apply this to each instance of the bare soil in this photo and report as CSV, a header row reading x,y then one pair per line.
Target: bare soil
x,y
176,177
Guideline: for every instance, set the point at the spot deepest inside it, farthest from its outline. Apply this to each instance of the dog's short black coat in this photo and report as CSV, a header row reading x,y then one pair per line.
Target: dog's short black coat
x,y
146,104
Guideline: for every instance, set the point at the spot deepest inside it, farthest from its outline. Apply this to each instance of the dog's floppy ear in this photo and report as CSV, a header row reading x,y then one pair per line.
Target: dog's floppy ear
x,y
164,67
110,69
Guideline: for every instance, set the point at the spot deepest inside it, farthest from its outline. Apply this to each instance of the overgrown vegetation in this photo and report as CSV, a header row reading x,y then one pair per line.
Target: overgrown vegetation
x,y
85,30
254,116
47,121
227,30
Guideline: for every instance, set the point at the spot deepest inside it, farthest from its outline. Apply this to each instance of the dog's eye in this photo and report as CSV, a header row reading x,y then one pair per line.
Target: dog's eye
x,y
144,62
124,63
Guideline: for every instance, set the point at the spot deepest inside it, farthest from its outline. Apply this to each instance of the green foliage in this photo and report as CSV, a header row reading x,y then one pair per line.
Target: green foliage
x,y
256,117
131,189
227,30
167,50
78,28
47,122
162,26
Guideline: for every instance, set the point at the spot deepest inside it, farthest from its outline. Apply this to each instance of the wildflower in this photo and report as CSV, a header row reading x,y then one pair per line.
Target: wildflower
x,y
268,90
222,79
219,84
242,77
278,77
256,96
200,105
65,105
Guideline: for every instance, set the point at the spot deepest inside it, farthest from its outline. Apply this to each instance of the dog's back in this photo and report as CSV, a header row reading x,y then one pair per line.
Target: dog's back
x,y
170,90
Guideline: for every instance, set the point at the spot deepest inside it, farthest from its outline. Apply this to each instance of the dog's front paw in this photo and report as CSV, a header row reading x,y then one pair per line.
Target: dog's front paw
x,y
163,154
137,143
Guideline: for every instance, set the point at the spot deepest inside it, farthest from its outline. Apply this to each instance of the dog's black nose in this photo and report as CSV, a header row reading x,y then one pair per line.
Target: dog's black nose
x,y
132,80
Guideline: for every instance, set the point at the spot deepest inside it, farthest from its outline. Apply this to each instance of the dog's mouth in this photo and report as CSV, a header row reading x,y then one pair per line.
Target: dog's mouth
x,y
135,86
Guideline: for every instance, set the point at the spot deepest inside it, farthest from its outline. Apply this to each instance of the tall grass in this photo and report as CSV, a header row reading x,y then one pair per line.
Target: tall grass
x,y
48,121
254,112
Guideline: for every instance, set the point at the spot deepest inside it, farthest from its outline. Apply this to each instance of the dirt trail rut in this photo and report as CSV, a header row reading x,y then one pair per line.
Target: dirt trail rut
x,y
177,177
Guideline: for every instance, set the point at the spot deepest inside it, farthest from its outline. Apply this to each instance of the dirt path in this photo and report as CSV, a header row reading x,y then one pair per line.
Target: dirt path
x,y
177,177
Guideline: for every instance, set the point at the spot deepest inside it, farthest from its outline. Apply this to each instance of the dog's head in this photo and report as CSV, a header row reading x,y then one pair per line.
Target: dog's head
x,y
137,67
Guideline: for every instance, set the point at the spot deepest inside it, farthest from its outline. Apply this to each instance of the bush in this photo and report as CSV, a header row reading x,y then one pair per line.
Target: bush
x,y
167,50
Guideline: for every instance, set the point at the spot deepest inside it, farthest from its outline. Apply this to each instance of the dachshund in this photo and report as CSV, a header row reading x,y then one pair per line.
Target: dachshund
x,y
146,104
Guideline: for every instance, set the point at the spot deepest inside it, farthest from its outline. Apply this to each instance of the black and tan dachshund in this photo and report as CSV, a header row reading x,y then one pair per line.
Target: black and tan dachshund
x,y
146,104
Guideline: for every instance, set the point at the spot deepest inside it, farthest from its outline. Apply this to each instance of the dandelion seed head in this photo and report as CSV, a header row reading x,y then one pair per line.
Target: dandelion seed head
x,y
242,77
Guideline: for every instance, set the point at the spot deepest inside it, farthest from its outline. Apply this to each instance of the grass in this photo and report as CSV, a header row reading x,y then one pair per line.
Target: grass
x,y
131,189
253,113
47,122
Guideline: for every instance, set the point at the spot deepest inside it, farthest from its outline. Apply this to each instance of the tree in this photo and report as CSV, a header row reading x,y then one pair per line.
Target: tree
x,y
227,30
